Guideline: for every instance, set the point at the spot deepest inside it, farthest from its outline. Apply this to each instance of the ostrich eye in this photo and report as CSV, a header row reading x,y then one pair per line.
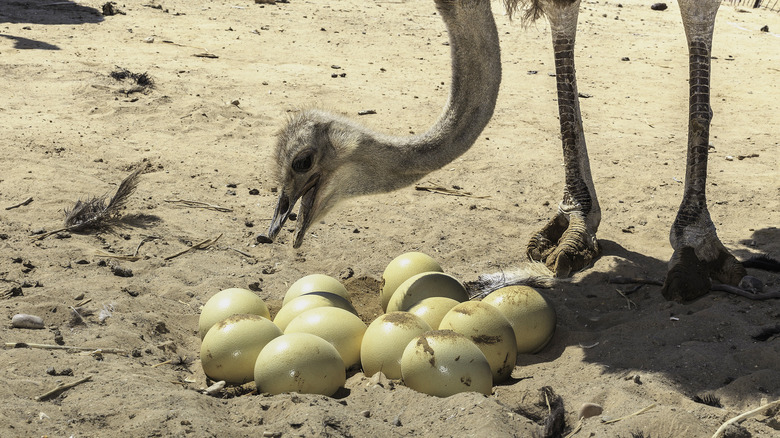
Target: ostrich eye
x,y
303,162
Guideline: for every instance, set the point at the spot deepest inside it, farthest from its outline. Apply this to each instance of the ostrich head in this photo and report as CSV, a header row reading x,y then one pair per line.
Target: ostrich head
x,y
314,167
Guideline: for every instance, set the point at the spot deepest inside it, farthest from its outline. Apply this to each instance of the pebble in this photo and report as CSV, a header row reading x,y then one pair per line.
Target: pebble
x,y
588,410
22,320
751,284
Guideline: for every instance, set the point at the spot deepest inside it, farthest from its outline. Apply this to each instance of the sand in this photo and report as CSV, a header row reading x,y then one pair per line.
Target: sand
x,y
69,131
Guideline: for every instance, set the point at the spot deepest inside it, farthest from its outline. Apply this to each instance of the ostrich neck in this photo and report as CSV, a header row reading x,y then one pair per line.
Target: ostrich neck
x,y
395,162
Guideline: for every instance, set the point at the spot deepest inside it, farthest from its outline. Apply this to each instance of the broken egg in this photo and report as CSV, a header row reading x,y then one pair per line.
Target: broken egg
x,y
230,302
401,269
442,363
532,317
299,362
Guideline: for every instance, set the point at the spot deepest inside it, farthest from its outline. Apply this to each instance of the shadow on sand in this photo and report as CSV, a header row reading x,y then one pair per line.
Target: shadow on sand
x,y
45,12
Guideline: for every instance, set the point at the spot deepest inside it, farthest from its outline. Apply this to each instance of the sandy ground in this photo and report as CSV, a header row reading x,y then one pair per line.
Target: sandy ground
x,y
68,131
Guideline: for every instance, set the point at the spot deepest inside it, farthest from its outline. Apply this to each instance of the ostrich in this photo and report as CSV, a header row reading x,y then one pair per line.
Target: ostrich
x,y
323,158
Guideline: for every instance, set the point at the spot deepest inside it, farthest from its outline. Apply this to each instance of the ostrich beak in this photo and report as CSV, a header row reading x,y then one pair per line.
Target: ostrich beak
x,y
284,207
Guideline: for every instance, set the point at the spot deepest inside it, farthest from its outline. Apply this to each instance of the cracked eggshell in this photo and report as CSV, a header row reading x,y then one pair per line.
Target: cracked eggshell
x,y
401,269
443,363
344,330
384,342
312,300
299,362
433,309
315,283
426,285
532,317
230,302
229,350
489,330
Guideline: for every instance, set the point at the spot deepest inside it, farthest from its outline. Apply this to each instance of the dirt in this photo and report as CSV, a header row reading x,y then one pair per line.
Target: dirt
x,y
224,78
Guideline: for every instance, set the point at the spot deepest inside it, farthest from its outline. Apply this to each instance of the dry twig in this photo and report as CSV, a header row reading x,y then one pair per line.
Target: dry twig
x,y
745,416
200,245
197,204
60,388
64,347
445,191
21,204
641,411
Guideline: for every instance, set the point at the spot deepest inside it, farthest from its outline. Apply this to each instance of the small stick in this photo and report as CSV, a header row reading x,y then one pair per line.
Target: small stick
x,y
82,303
445,191
56,391
21,204
628,300
162,363
745,416
200,245
631,415
242,252
630,280
45,235
64,347
198,204
126,258
744,293
144,240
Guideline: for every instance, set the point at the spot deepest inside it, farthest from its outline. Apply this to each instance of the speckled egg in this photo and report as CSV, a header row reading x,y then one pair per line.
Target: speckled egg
x,y
344,330
487,327
443,363
532,317
433,309
229,350
312,300
401,269
426,285
299,362
385,340
230,302
315,283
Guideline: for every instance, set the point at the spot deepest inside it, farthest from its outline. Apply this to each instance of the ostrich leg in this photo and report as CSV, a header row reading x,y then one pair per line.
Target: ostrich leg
x,y
698,253
568,242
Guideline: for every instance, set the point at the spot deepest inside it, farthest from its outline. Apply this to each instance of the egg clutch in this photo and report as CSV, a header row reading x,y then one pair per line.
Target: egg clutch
x,y
431,336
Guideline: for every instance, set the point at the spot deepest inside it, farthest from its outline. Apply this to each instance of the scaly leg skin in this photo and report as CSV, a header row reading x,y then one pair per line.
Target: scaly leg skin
x,y
699,256
568,242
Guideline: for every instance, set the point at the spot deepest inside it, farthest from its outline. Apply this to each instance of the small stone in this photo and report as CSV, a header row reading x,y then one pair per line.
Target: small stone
x,y
765,28
120,271
366,413
637,380
588,410
22,320
262,238
51,371
751,284
658,6
397,422
254,192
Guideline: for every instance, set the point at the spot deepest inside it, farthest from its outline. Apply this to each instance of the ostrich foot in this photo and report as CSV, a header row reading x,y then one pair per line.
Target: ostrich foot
x,y
565,244
689,277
